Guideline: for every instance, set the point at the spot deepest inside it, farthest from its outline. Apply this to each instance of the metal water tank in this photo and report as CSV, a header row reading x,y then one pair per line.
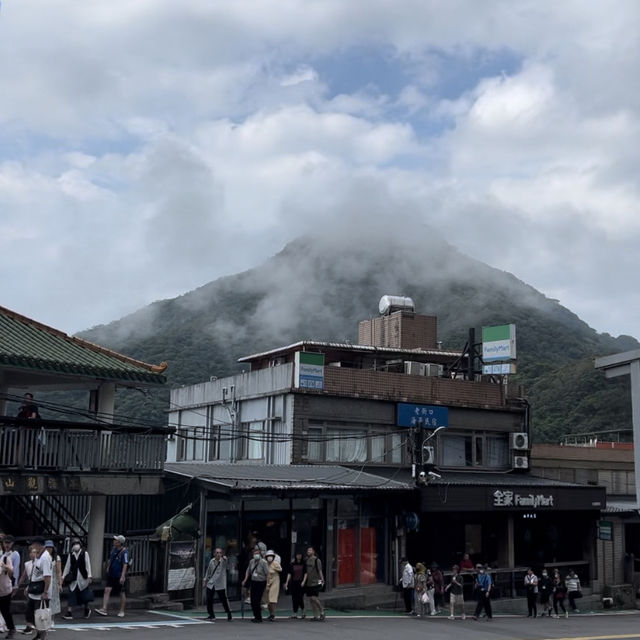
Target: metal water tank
x,y
388,304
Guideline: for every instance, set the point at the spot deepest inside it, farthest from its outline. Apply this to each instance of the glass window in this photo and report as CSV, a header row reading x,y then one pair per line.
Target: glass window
x,y
256,436
314,445
497,451
397,445
456,451
378,447
346,446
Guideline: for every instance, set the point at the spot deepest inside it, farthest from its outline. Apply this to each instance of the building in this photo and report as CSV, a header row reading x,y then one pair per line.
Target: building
x,y
57,472
384,412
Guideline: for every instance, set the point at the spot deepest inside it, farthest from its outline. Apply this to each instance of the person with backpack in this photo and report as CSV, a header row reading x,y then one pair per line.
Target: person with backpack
x,y
77,576
117,567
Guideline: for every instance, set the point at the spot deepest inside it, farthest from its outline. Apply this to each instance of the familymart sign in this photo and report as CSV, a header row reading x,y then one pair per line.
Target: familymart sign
x,y
309,370
499,343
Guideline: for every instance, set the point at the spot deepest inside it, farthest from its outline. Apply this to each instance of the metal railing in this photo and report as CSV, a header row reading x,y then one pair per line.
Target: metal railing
x,y
139,550
69,446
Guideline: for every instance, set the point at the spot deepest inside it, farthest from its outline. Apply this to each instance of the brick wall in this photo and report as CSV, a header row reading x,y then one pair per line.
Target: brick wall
x,y
398,387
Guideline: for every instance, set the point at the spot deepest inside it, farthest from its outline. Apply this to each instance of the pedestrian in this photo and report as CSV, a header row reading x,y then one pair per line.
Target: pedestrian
x,y
117,567
256,579
531,586
574,590
293,584
438,586
77,576
38,590
431,590
482,588
56,577
215,582
545,588
273,583
455,592
313,582
559,594
7,547
407,582
466,564
6,591
420,590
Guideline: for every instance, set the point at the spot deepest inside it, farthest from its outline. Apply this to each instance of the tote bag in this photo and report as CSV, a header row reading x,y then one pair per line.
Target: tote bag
x,y
42,617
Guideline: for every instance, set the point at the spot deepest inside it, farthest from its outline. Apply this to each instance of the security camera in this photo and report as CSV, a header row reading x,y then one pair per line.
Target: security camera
x,y
422,474
433,474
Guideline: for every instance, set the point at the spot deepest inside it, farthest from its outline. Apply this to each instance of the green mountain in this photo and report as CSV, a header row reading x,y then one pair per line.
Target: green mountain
x,y
320,287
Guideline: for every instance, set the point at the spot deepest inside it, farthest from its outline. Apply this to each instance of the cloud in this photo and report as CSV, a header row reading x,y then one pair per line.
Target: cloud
x,y
149,147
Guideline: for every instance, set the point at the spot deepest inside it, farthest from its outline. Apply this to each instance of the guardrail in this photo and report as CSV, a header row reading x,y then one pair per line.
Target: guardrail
x,y
68,446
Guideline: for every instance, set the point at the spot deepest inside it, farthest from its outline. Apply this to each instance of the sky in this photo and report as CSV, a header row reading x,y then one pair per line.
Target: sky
x,y
149,147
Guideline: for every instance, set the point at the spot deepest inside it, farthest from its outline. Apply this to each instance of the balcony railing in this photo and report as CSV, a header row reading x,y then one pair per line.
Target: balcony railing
x,y
50,445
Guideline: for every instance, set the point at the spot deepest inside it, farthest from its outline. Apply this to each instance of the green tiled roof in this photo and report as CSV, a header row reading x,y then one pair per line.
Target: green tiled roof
x,y
28,344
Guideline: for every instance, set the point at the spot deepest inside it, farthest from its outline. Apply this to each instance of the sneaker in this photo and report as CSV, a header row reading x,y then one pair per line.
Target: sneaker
x,y
576,611
28,629
120,614
67,616
209,618
322,616
452,618
303,616
474,617
87,614
229,617
566,614
463,617
101,612
271,618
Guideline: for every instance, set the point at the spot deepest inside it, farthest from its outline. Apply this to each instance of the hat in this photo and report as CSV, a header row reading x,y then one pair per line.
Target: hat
x,y
49,543
270,553
37,540
120,539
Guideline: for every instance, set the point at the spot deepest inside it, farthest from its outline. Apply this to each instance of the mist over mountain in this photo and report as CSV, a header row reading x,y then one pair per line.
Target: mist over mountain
x,y
319,287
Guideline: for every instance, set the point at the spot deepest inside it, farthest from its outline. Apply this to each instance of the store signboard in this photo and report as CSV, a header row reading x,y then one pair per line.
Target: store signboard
x,y
605,530
509,498
422,415
309,370
499,343
182,566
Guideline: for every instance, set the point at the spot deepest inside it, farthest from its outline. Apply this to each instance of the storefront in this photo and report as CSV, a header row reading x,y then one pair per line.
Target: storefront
x,y
508,521
347,516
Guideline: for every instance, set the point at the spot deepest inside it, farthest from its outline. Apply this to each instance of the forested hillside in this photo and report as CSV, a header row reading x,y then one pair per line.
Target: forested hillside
x,y
319,288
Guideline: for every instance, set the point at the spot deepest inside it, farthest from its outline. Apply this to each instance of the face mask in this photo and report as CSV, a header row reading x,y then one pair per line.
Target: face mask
x,y
256,556
76,548
481,570
545,574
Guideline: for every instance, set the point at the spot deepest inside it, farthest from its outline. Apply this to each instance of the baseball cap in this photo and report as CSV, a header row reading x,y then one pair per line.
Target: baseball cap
x,y
120,539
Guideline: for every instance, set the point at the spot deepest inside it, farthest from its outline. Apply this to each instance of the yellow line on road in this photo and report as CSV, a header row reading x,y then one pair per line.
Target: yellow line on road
x,y
605,637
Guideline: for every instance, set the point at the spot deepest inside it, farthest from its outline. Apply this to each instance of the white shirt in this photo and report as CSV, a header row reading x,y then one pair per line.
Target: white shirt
x,y
80,582
40,568
407,576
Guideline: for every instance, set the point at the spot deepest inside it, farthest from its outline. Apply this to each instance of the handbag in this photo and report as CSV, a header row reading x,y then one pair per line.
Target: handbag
x,y
36,588
42,617
424,598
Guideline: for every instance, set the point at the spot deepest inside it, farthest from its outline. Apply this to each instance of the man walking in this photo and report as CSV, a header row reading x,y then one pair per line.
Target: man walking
x,y
117,567
256,576
8,570
483,593
215,581
39,588
312,582
406,580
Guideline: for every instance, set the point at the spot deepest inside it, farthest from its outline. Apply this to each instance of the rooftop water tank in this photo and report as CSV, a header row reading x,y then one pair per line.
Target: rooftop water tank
x,y
388,304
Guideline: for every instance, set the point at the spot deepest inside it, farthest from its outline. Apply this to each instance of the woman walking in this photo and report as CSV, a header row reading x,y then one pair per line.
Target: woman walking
x,y
77,574
273,583
420,590
293,583
256,577
56,577
559,593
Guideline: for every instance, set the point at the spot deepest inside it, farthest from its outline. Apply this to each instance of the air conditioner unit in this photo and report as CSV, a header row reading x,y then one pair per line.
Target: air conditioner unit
x,y
433,370
428,455
413,368
520,462
519,441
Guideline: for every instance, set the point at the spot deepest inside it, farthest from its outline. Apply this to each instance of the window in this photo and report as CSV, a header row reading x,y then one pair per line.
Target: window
x,y
477,449
346,444
253,440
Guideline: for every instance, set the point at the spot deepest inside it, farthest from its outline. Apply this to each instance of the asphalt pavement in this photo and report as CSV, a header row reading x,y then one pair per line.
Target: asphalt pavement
x,y
352,625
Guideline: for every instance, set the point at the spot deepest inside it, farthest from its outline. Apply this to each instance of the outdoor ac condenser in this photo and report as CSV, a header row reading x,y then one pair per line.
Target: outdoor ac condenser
x,y
519,441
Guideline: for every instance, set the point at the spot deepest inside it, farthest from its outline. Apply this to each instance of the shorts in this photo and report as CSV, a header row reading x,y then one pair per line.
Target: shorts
x,y
456,598
312,591
115,585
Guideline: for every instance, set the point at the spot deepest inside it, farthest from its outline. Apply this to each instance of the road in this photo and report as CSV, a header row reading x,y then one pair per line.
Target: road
x,y
147,625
